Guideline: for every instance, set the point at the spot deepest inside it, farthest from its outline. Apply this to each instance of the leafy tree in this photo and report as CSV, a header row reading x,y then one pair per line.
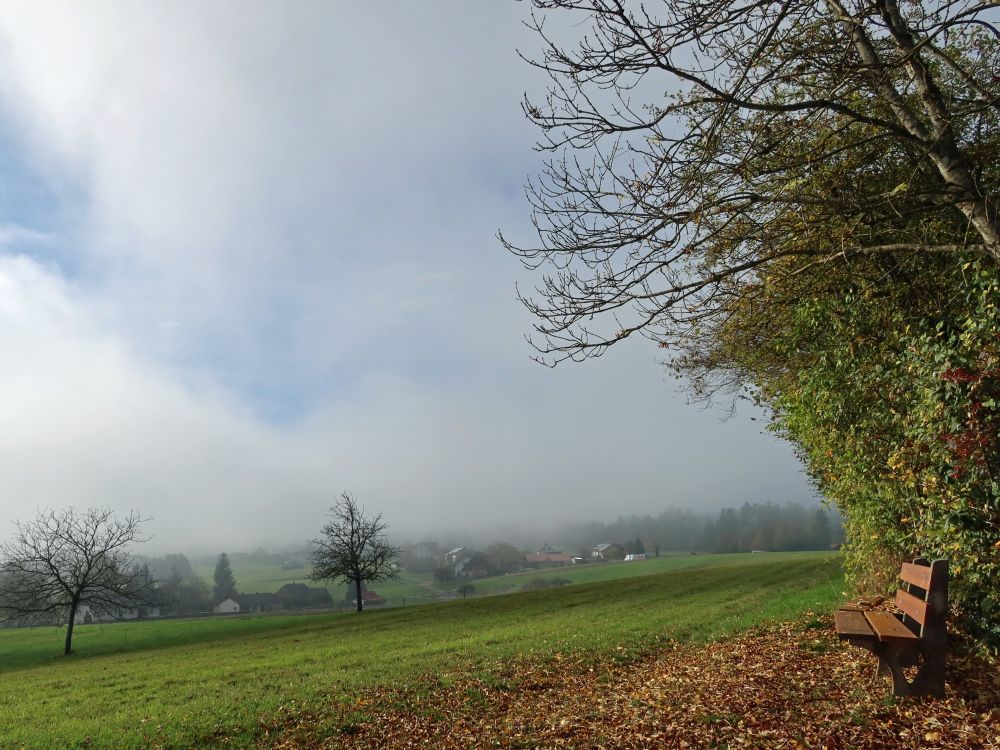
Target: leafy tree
x,y
163,568
657,211
503,557
444,574
180,564
65,559
188,595
422,557
898,423
808,217
225,581
819,531
727,531
353,548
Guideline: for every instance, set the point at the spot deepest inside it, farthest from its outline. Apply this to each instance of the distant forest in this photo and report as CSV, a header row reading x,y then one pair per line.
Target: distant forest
x,y
753,526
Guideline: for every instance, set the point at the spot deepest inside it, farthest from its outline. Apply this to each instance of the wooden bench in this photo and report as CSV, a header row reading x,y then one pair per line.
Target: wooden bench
x,y
915,635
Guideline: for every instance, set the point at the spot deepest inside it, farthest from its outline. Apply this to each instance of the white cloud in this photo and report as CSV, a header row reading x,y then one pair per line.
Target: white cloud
x,y
286,283
89,422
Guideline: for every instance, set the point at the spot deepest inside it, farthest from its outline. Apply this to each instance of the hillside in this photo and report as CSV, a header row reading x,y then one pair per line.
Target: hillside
x,y
204,682
414,588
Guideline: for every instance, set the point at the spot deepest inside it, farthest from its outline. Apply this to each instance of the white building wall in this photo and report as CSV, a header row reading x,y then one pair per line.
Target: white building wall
x,y
226,607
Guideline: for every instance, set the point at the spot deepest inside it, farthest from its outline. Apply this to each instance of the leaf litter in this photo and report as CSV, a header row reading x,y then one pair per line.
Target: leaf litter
x,y
792,685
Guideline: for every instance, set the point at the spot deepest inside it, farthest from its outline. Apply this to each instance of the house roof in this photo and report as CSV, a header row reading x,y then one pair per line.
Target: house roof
x,y
294,588
602,547
549,557
456,550
255,600
299,593
370,596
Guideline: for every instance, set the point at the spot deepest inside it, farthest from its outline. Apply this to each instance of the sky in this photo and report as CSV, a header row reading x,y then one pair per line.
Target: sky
x,y
248,261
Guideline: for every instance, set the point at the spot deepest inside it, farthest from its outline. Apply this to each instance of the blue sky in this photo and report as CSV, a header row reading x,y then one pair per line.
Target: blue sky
x,y
247,261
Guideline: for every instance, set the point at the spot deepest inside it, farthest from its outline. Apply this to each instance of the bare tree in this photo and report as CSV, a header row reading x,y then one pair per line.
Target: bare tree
x,y
704,149
64,559
353,548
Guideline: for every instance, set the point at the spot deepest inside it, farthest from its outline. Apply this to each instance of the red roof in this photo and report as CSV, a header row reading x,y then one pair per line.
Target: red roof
x,y
370,596
550,557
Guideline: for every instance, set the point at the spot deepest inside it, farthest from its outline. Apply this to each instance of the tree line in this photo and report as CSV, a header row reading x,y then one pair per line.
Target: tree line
x,y
753,526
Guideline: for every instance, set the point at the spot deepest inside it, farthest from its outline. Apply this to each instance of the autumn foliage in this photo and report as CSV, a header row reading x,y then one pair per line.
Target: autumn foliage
x,y
791,686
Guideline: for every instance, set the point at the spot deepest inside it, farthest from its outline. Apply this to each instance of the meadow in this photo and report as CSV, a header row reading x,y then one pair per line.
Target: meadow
x,y
257,577
211,682
411,588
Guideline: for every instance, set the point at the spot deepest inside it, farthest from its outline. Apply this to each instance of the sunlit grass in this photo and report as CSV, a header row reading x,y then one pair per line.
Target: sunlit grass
x,y
189,682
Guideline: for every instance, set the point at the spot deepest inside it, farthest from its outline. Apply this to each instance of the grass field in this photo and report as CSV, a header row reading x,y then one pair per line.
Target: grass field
x,y
203,682
612,571
253,577
414,587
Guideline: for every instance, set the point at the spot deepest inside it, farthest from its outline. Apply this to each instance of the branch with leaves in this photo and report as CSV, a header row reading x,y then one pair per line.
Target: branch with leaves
x,y
791,136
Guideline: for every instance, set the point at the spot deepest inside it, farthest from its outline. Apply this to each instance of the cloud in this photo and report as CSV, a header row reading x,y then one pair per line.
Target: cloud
x,y
94,424
12,235
247,168
277,279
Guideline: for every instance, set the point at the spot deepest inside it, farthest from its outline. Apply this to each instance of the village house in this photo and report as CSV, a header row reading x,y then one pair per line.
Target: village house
x,y
608,551
300,596
85,614
247,603
368,598
424,551
547,556
474,566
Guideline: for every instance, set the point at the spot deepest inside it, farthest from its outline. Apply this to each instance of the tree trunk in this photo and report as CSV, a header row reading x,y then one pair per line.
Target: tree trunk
x,y
69,628
951,164
357,590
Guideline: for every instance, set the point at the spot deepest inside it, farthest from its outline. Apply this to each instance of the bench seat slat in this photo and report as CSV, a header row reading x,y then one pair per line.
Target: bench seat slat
x,y
852,622
911,605
918,575
888,628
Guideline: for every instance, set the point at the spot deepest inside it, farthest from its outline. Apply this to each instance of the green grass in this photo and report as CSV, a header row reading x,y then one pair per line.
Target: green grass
x,y
612,571
194,682
416,587
254,577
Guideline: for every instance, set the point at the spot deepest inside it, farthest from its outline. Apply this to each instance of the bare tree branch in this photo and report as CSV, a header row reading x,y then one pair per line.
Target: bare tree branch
x,y
695,147
353,548
64,559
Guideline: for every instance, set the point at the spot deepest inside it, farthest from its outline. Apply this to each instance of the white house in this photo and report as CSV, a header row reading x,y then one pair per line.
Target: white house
x,y
226,607
85,614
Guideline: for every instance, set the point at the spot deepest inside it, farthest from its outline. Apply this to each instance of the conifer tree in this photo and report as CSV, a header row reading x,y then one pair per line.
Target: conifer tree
x,y
225,581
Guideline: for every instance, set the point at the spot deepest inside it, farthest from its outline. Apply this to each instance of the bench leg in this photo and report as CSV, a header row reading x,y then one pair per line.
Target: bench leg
x,y
891,660
930,676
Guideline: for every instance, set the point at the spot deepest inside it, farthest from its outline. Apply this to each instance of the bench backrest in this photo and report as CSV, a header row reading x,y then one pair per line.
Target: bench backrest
x,y
924,598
